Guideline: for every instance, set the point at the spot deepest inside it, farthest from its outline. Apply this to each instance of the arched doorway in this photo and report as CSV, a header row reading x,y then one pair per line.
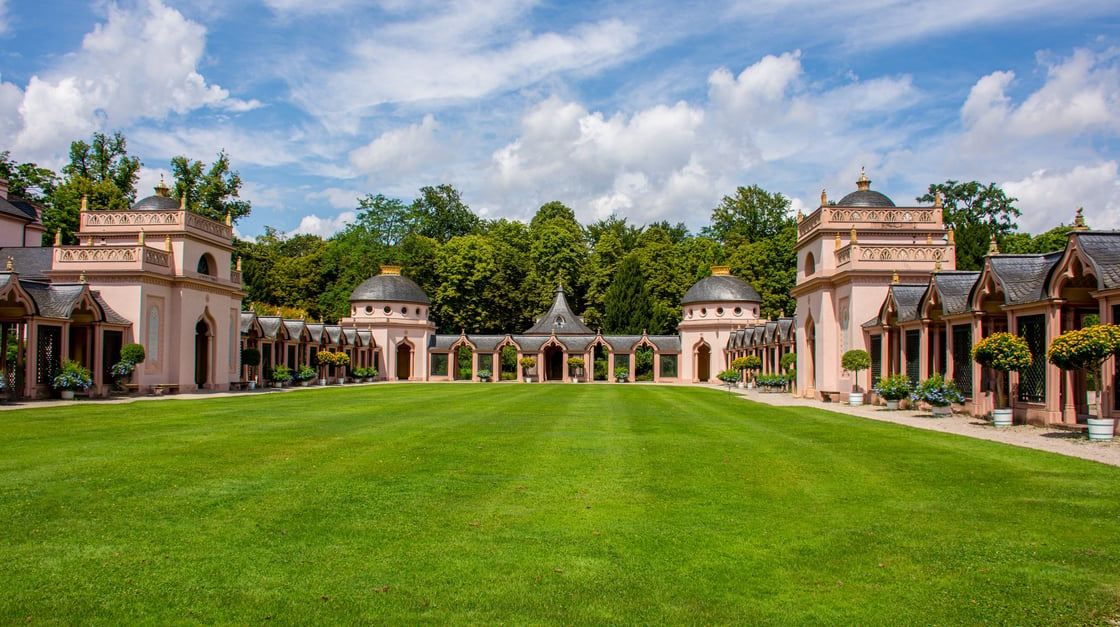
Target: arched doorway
x,y
404,362
554,363
810,377
703,363
201,353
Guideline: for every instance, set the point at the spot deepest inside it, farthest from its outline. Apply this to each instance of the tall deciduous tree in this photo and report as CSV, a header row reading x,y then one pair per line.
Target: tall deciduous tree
x,y
440,213
751,215
628,305
976,213
27,180
100,171
386,220
213,193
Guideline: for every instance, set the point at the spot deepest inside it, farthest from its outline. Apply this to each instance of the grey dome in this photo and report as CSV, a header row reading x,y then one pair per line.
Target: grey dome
x,y
157,203
389,287
718,288
865,198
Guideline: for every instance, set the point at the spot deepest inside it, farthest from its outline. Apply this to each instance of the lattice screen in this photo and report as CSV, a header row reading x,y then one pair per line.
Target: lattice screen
x,y
913,355
1032,380
962,358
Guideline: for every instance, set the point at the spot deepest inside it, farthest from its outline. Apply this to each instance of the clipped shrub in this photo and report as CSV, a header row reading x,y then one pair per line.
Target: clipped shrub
x,y
134,353
893,388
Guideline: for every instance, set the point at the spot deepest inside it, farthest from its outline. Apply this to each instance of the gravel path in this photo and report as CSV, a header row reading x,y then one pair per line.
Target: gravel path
x,y
1061,441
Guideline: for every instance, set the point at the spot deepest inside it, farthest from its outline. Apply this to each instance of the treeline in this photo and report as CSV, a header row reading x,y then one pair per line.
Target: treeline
x,y
496,276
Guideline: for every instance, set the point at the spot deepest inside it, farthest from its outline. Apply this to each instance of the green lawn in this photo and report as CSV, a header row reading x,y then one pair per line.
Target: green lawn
x,y
524,504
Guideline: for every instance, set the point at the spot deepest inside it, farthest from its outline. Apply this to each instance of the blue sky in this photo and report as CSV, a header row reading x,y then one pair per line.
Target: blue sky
x,y
648,110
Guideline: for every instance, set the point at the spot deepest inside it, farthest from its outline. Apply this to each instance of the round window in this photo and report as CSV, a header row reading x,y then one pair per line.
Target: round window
x,y
703,311
719,311
756,312
404,310
417,311
387,310
369,309
738,311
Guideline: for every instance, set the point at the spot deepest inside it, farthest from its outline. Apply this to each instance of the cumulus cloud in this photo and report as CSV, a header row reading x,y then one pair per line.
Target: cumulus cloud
x,y
399,151
1047,197
323,227
140,63
337,197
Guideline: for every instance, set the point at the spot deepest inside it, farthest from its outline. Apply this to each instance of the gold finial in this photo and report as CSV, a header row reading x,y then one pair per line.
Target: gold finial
x,y
58,237
239,264
161,189
937,266
391,270
1079,221
824,198
183,201
142,237
229,219
167,243
929,238
721,270
937,199
894,277
993,247
952,236
800,217
10,267
863,183
838,244
85,203
82,277
853,235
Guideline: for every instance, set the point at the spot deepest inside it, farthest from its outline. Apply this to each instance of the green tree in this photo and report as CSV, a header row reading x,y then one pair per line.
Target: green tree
x,y
976,213
440,213
557,254
28,180
770,266
386,220
100,171
478,285
751,215
213,193
628,305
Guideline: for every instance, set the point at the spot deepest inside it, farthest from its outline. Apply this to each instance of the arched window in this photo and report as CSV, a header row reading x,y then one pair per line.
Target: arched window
x,y
810,264
207,266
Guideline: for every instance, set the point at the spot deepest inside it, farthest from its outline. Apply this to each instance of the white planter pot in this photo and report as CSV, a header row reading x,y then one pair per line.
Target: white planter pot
x,y
66,395
322,381
941,411
1101,429
528,379
575,379
893,405
1001,417
739,385
304,383
855,399
252,385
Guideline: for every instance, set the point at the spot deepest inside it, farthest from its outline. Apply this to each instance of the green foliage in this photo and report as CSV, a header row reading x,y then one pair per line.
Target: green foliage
x,y
643,364
729,376
1003,351
770,265
855,360
751,215
771,381
441,214
133,352
281,374
251,357
484,374
28,180
72,376
304,373
788,361
937,391
213,193
101,171
976,213
576,362
1084,349
627,302
602,366
894,387
621,372
527,363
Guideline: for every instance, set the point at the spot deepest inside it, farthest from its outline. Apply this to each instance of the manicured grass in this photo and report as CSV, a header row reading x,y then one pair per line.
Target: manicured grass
x,y
528,504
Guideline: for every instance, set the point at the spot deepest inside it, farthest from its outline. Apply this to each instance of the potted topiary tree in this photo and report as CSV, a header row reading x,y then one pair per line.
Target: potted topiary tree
x,y
788,362
131,354
853,361
527,363
251,357
575,366
1004,352
1087,349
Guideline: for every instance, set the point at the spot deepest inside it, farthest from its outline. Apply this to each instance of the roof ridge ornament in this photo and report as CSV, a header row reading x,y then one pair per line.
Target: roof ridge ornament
x,y
824,199
10,266
894,277
1079,221
863,183
993,247
937,199
162,189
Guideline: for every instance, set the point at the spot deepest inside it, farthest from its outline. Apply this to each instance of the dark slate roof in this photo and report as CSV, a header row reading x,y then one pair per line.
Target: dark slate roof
x,y
389,287
865,198
442,342
19,208
30,262
720,288
954,287
785,329
367,338
1022,277
53,301
577,342
5,279
872,323
560,319
333,332
110,315
156,203
1103,248
294,328
486,343
351,335
247,319
757,334
666,343
315,329
906,300
624,343
771,332
270,326
531,343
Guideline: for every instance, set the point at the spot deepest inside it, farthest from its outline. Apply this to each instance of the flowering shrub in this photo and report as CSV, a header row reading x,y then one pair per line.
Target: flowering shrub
x,y
893,388
305,373
122,369
937,391
1003,351
771,380
72,376
730,375
484,374
281,374
1084,349
621,372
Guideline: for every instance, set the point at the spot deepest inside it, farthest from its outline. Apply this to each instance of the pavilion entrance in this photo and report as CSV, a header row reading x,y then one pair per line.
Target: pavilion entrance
x,y
201,353
554,363
404,362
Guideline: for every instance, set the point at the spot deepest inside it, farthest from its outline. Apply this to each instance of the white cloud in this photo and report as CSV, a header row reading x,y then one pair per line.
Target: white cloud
x,y
1048,197
323,227
337,197
203,143
400,151
137,64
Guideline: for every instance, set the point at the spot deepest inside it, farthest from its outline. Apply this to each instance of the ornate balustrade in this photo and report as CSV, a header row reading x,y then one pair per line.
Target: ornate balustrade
x,y
892,253
154,222
844,218
86,255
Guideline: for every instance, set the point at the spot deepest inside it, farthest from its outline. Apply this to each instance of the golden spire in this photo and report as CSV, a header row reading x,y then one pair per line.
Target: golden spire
x,y
863,183
894,277
161,189
1079,221
85,203
167,243
799,216
853,235
58,237
993,247
142,237
721,270
824,198
838,244
239,264
391,270
10,267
